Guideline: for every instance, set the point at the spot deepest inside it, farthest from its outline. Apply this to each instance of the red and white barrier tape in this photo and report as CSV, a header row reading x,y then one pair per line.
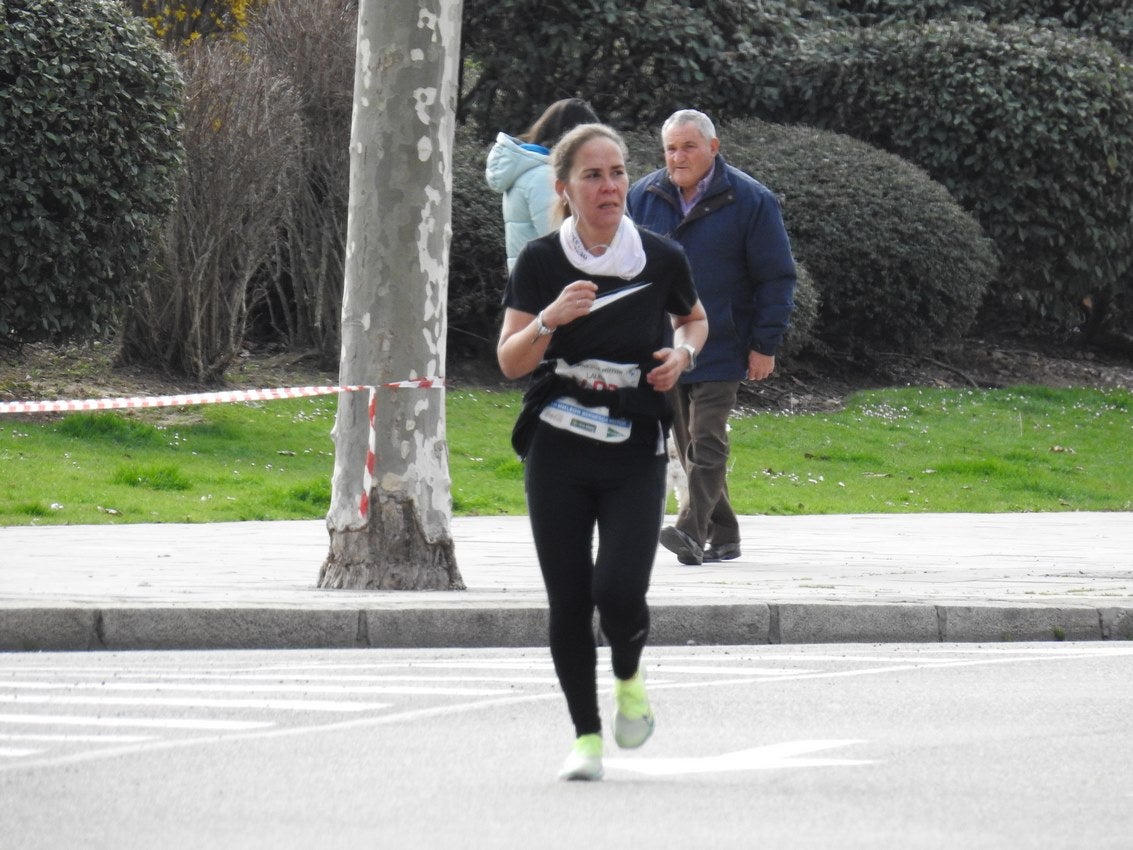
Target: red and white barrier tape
x,y
139,402
371,459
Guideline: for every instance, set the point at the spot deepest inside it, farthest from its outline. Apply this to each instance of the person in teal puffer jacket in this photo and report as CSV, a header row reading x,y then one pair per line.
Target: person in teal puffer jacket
x,y
520,169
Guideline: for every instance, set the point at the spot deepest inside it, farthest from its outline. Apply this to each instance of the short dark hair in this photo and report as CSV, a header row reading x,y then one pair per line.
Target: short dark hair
x,y
557,119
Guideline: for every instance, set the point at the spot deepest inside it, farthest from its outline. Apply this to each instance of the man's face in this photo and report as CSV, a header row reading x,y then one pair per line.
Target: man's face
x,y
688,155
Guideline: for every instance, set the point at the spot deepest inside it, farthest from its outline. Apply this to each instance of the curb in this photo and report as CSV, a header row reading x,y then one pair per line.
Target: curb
x,y
218,627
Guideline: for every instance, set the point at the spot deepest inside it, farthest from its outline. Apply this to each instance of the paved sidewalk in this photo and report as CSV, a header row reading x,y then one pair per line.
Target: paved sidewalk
x,y
805,579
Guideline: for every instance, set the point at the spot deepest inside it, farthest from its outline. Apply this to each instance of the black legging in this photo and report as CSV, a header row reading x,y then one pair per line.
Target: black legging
x,y
575,485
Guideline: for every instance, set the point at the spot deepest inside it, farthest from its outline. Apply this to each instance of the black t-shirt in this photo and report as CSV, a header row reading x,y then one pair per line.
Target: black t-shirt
x,y
627,331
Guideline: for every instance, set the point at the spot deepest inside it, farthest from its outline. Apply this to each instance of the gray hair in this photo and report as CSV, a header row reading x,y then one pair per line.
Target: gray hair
x,y
690,116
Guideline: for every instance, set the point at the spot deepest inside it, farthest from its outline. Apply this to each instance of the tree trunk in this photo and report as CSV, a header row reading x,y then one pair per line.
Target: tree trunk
x,y
397,536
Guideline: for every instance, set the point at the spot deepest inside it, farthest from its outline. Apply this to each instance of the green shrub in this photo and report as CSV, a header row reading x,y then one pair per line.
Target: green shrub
x,y
581,50
1030,129
91,153
477,261
800,336
896,263
1107,20
635,63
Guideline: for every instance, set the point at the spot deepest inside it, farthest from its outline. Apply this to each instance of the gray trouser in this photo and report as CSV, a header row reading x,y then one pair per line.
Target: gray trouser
x,y
700,428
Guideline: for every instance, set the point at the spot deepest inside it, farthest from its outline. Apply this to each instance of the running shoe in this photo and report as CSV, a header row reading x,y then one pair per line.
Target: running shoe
x,y
633,720
584,762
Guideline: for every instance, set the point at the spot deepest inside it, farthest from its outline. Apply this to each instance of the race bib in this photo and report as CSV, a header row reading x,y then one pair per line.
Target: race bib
x,y
595,423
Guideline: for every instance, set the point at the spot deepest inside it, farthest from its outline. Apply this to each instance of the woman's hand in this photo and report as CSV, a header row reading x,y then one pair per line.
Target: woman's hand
x,y
573,302
673,362
521,346
688,330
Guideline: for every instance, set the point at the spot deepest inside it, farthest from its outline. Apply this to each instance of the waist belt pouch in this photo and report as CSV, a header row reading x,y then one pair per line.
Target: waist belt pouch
x,y
642,404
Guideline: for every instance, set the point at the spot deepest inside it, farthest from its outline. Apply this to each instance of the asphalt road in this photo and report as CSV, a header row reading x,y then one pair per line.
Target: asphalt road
x,y
836,746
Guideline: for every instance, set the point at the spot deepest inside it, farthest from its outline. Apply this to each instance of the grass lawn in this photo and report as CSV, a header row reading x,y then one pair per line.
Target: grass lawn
x,y
893,450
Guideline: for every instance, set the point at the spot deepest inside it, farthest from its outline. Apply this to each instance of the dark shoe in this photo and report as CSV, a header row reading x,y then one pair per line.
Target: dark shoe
x,y
686,549
721,552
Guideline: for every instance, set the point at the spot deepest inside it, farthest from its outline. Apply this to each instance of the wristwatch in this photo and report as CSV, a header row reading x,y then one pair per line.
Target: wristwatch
x,y
691,349
543,329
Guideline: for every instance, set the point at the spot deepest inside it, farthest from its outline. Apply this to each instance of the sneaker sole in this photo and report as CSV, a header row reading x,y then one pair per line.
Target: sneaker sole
x,y
582,774
631,734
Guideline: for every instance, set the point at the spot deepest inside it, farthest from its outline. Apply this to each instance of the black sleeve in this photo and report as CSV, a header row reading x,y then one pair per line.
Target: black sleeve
x,y
526,285
682,295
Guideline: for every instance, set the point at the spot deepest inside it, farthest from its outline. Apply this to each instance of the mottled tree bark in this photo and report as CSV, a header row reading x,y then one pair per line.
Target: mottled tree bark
x,y
394,303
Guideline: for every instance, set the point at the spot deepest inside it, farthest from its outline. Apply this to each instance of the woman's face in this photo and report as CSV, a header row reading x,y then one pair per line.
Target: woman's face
x,y
597,186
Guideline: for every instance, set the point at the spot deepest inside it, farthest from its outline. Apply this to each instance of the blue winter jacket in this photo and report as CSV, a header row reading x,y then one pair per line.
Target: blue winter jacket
x,y
741,263
525,179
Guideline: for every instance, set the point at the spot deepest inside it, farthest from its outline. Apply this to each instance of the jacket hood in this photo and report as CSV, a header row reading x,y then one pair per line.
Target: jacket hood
x,y
507,162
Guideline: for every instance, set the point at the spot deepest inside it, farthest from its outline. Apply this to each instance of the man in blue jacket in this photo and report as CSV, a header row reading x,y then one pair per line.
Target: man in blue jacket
x,y
732,229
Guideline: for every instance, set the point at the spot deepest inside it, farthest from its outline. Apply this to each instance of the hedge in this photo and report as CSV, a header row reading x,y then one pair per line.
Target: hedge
x,y
90,132
1030,129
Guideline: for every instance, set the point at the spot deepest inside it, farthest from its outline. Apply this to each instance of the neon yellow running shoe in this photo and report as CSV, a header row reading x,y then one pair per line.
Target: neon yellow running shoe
x,y
633,721
584,761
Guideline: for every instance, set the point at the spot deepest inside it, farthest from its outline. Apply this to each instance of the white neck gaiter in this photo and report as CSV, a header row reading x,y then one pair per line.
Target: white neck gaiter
x,y
624,258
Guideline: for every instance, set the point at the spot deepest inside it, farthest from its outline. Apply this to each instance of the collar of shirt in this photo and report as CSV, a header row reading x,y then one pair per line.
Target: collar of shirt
x,y
701,188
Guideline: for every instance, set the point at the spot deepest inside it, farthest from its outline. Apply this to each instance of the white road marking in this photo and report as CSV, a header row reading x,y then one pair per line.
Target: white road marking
x,y
924,654
493,664
291,731
140,722
196,702
14,753
78,739
770,757
972,655
906,666
255,688
206,676
725,670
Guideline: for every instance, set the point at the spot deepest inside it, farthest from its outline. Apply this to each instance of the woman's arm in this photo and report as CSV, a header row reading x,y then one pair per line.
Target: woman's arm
x,y
687,330
521,346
